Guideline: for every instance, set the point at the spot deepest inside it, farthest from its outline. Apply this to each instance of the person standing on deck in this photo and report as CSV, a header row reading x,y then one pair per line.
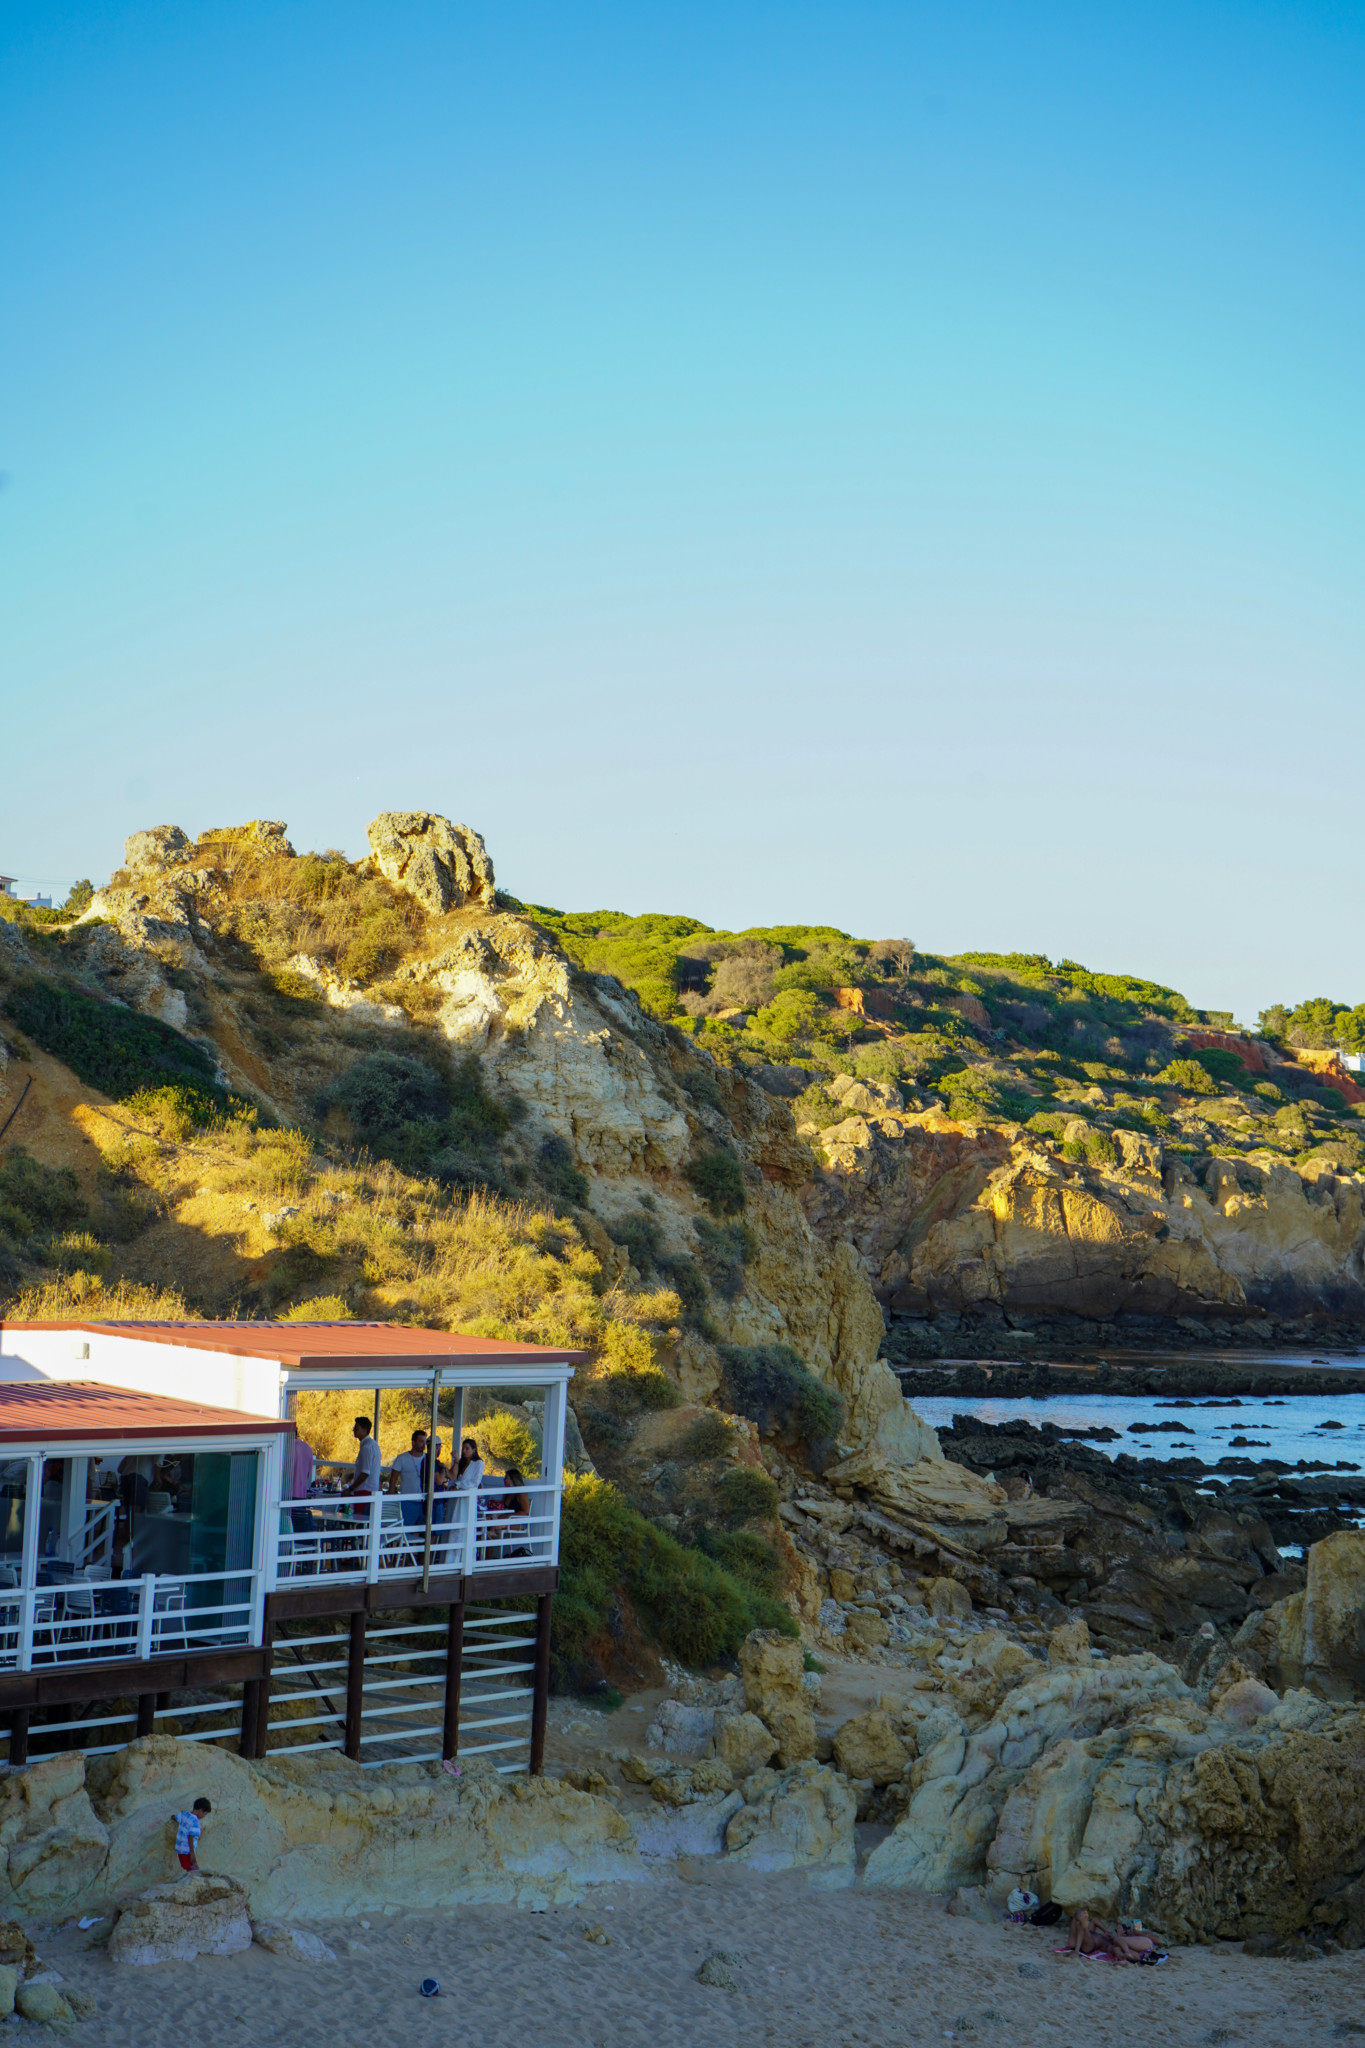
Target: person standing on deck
x,y
409,1469
367,1458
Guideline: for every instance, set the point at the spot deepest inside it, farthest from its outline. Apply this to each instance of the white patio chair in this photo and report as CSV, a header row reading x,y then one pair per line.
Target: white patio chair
x,y
395,1546
45,1626
78,1613
169,1601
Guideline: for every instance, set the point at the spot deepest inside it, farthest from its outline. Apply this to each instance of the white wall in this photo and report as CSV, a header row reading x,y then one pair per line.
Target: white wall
x,y
179,1371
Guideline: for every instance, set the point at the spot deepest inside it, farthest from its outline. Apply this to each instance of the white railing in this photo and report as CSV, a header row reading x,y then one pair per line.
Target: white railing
x,y
367,1536
84,1621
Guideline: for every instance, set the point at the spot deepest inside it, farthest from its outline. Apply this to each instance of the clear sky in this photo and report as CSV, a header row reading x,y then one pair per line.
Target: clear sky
x,y
898,465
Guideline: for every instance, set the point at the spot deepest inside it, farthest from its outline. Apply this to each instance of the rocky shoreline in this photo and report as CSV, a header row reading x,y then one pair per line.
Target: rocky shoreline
x,y
1015,1378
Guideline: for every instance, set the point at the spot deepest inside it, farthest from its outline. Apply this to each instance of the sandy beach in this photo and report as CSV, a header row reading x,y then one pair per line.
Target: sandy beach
x,y
812,1969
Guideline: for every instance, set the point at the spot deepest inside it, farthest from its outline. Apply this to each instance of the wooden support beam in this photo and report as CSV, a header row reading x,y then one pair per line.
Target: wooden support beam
x,y
450,1727
251,1706
146,1709
18,1736
540,1699
355,1687
261,1746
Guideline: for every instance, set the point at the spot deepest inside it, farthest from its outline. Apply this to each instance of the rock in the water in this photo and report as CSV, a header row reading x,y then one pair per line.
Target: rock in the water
x,y
772,1666
295,1942
44,2004
441,864
197,1915
716,1973
797,1819
870,1746
9,1984
743,1742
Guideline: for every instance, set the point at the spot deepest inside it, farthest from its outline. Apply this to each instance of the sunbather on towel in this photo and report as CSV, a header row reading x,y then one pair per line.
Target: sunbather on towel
x,y
1088,1937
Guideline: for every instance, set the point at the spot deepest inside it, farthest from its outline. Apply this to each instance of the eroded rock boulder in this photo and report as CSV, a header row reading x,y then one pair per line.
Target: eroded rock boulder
x,y
196,1915
53,1842
772,1667
443,865
161,846
743,1742
871,1746
797,1819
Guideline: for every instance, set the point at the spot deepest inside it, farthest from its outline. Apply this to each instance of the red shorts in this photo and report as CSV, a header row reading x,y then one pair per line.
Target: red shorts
x,y
187,1861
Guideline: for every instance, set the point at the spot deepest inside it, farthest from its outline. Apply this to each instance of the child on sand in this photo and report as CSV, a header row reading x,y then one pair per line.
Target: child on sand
x,y
188,1827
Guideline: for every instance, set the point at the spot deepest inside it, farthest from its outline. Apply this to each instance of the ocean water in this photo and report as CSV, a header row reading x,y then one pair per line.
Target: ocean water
x,y
1287,1426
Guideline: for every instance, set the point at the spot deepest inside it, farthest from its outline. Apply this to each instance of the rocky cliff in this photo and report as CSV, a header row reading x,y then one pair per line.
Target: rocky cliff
x,y
309,986
950,1217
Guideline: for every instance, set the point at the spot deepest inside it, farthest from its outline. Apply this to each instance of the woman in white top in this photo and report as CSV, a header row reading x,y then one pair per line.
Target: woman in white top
x,y
469,1471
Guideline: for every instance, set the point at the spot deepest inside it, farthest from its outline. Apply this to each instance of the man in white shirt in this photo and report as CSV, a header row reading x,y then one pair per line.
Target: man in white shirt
x,y
367,1458
407,1467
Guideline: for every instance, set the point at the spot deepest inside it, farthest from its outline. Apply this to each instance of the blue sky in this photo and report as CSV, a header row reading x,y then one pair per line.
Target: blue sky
x,y
888,465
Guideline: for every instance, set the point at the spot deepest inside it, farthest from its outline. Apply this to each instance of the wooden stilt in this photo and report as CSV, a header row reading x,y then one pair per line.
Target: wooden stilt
x,y
261,1745
18,1736
540,1702
246,1741
146,1710
450,1729
355,1686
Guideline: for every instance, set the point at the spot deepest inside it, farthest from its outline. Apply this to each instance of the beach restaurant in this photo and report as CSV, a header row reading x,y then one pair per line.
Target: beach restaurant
x,y
169,1561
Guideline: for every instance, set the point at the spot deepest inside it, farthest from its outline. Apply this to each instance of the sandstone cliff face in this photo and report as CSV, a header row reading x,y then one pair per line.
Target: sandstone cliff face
x,y
949,1216
633,1102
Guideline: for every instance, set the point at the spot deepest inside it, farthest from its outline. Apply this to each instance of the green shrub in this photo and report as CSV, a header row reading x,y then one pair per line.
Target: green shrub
x,y
115,1050
36,1199
406,1110
746,1554
1189,1075
769,1384
726,1249
613,1562
710,1436
557,1173
686,1279
747,1494
1222,1064
719,1180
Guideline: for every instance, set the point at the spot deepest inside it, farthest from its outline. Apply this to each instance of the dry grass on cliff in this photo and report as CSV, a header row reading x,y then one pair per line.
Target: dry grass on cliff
x,y
203,1227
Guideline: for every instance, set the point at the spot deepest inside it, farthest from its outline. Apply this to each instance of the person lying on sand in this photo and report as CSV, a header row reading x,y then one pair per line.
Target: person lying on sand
x,y
1087,1937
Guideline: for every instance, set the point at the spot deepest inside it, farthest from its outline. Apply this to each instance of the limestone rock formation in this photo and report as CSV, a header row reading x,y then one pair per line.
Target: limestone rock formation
x,y
797,1819
306,1836
294,1942
772,1667
871,1746
441,864
1316,1638
45,2006
743,1742
159,847
947,1216
196,1915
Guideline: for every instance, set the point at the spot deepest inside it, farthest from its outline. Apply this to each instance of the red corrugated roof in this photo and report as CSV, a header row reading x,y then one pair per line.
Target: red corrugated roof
x,y
322,1344
62,1411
